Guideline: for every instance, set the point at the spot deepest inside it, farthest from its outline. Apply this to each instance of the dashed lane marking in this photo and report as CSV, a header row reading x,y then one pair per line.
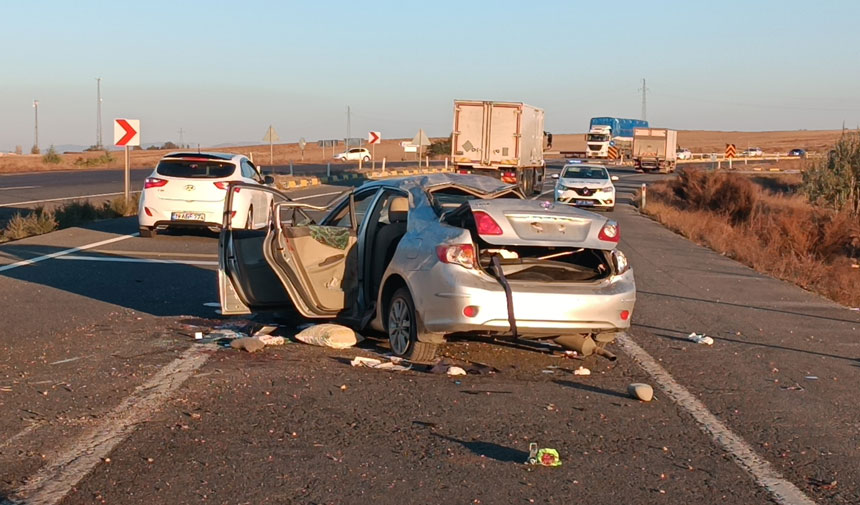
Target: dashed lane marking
x,y
18,187
114,259
782,491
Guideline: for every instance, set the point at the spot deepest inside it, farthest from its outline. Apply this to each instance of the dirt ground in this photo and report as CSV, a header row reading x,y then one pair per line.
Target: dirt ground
x,y
283,154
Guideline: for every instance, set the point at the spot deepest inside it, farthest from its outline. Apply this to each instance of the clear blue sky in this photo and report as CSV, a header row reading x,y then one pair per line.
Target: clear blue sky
x,y
223,71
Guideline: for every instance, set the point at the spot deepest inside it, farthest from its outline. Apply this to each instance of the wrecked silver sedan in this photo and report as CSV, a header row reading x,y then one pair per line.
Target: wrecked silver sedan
x,y
425,257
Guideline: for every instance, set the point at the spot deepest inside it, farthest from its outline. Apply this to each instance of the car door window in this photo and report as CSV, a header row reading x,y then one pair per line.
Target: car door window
x,y
341,216
248,171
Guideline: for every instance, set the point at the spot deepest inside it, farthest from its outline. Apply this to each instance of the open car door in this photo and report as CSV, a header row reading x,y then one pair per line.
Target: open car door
x,y
246,281
317,265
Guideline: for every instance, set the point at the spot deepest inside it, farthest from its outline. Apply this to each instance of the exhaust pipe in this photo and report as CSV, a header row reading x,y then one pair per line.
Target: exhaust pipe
x,y
600,351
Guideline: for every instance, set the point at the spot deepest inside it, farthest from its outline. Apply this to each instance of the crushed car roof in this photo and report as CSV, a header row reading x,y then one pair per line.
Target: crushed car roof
x,y
477,183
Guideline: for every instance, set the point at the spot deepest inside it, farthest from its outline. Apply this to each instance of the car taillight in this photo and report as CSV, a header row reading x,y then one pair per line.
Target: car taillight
x,y
486,225
463,255
153,182
610,232
221,184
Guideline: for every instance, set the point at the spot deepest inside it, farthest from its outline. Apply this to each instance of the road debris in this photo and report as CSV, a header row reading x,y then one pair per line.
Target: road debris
x,y
641,391
543,457
329,335
700,338
69,360
392,366
250,344
445,365
582,371
811,377
270,339
198,335
455,370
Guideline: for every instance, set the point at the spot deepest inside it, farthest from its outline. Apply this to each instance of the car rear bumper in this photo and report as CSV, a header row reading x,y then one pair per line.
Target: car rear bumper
x,y
157,212
540,309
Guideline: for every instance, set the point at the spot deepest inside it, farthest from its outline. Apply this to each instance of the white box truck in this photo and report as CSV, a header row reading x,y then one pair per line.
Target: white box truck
x,y
655,149
502,139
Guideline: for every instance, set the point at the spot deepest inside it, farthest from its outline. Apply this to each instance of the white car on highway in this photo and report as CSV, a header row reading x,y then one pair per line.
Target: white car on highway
x,y
354,154
752,152
585,185
188,189
683,154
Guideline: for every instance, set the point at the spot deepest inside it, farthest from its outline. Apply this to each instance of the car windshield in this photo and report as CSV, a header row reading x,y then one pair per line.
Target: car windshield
x,y
194,169
597,137
584,172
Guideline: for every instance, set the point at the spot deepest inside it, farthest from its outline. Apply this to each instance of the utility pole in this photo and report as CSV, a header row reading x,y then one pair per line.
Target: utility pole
x,y
644,91
181,142
99,144
36,132
348,126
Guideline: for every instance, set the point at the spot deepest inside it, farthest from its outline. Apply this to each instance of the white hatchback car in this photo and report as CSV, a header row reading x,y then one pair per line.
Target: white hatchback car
x,y
584,185
354,154
188,189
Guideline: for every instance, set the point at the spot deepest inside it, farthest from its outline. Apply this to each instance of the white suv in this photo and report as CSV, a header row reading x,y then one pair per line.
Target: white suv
x,y
354,154
188,189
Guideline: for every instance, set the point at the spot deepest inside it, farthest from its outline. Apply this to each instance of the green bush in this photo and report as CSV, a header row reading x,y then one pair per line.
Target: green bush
x,y
104,159
835,182
440,147
52,157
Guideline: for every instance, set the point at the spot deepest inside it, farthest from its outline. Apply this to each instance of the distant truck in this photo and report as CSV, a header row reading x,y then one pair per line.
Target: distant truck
x,y
501,139
655,149
615,131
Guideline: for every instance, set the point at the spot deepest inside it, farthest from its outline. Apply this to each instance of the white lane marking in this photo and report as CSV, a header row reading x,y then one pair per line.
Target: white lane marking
x,y
63,472
139,260
79,197
783,491
18,187
65,252
318,196
160,254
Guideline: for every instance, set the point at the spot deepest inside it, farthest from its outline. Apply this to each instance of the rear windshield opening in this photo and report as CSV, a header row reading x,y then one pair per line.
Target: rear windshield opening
x,y
195,169
452,198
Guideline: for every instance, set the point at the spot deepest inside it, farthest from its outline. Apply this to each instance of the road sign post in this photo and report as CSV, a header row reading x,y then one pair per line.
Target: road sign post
x,y
421,141
126,132
730,153
373,138
302,144
271,137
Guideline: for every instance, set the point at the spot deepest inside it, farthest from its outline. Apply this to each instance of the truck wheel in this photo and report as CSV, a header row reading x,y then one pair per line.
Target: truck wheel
x,y
402,327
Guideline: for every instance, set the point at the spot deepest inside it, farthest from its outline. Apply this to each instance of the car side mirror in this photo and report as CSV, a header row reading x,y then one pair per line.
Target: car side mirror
x,y
614,178
268,180
555,176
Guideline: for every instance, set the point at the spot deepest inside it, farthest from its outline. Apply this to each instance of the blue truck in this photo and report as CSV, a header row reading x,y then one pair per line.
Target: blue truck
x,y
603,131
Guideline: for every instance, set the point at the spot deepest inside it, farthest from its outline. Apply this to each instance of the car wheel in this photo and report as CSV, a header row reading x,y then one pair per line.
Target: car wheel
x,y
403,329
366,159
147,232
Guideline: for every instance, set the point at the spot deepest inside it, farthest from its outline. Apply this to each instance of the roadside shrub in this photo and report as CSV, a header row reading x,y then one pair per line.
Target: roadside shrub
x,y
104,159
52,157
719,192
36,222
35,149
440,147
835,181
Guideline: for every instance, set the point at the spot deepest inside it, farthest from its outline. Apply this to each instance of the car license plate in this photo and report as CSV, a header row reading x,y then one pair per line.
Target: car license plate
x,y
585,203
188,216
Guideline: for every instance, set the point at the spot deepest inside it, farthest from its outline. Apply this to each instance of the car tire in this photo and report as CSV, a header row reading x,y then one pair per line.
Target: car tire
x,y
147,232
402,327
366,159
610,209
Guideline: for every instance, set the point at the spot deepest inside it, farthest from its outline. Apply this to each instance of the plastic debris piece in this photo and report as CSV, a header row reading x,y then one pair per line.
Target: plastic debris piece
x,y
700,338
455,370
378,364
198,335
250,344
271,340
811,377
225,333
582,371
265,330
329,335
640,391
543,457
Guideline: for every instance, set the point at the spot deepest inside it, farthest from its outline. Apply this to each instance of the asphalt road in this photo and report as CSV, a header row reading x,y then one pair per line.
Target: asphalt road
x,y
107,399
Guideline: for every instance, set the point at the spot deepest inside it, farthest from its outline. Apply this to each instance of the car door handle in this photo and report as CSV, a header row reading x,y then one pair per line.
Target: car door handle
x,y
331,259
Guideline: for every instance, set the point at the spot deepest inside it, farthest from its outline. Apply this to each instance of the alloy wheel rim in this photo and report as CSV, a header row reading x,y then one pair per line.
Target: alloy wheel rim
x,y
399,326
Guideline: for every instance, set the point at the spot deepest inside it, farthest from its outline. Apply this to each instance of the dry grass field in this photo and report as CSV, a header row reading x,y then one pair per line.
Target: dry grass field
x,y
695,140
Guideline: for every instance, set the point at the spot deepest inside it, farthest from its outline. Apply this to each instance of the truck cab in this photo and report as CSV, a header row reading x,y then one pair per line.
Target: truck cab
x,y
597,142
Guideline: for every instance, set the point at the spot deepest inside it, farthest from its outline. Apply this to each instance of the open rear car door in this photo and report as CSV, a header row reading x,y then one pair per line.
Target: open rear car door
x,y
285,260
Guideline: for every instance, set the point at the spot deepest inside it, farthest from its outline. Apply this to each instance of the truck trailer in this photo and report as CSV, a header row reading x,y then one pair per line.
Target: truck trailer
x,y
606,131
654,149
501,139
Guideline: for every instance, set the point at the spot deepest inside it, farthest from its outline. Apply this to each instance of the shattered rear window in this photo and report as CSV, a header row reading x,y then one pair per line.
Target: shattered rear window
x,y
453,197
